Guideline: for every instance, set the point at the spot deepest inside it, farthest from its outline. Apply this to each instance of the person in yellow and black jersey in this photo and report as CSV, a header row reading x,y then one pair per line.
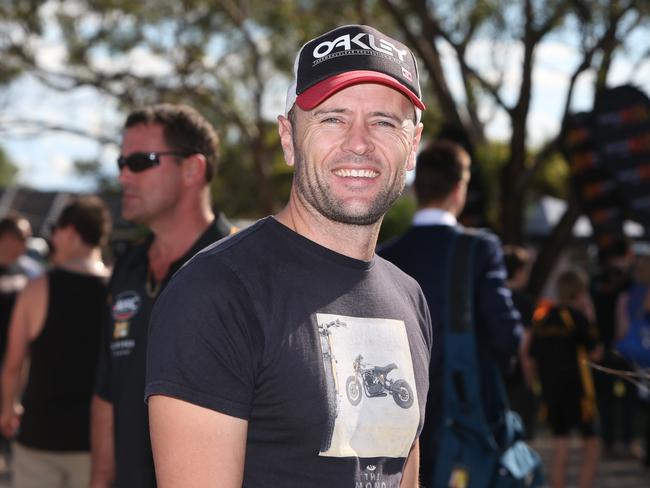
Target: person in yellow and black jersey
x,y
564,340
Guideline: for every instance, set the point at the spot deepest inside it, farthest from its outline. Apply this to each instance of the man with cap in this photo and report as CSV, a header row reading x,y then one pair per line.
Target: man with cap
x,y
290,354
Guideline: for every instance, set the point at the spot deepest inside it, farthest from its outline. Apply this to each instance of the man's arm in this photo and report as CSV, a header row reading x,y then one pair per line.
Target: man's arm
x,y
102,444
194,447
411,474
500,321
26,322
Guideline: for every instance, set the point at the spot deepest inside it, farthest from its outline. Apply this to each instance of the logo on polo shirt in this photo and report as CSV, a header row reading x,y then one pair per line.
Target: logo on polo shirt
x,y
126,306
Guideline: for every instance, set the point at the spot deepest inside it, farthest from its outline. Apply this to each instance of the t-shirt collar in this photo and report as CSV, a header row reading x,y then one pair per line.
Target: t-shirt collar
x,y
434,216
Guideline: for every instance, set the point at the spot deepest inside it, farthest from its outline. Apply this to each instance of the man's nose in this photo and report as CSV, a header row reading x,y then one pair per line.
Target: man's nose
x,y
358,139
124,175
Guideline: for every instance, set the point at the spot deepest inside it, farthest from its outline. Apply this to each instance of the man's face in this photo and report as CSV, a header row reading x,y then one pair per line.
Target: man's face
x,y
352,152
155,192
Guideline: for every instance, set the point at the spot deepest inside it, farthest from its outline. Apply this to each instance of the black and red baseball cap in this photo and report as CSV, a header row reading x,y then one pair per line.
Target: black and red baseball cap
x,y
350,55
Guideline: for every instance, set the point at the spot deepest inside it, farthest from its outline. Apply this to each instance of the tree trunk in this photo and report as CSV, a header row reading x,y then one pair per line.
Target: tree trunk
x,y
552,247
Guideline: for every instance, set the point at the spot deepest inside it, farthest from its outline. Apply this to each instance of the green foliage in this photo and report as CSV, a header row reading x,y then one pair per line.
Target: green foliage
x,y
92,168
551,179
8,170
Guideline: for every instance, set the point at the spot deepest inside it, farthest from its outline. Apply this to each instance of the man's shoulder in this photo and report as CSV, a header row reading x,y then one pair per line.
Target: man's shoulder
x,y
241,250
481,234
396,274
415,237
240,240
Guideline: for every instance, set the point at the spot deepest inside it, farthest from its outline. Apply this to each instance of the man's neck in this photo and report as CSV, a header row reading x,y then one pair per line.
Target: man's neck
x,y
355,241
174,238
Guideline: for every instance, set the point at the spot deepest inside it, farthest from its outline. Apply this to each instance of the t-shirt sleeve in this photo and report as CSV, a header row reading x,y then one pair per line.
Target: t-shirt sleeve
x,y
202,340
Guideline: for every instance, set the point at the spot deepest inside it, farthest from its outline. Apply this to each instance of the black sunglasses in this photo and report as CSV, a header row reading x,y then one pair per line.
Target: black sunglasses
x,y
141,161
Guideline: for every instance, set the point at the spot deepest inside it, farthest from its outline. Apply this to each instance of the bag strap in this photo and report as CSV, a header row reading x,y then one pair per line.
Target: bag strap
x,y
462,403
461,285
461,353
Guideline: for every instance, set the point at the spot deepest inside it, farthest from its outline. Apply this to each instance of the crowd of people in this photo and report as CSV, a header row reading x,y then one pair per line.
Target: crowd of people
x,y
295,352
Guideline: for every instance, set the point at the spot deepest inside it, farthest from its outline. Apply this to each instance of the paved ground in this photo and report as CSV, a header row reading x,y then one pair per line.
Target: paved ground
x,y
612,473
620,473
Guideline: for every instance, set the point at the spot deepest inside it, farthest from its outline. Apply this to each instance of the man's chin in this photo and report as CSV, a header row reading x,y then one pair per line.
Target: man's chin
x,y
133,217
356,218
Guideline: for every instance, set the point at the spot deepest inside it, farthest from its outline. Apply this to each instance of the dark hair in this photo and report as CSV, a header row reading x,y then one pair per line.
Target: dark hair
x,y
515,259
10,224
440,167
185,130
570,284
90,218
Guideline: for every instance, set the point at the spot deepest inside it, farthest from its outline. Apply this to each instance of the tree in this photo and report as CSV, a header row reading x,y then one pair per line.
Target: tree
x,y
7,170
601,28
206,54
229,59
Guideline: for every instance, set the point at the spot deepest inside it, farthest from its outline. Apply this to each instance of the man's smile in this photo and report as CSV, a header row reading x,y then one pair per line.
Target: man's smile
x,y
356,173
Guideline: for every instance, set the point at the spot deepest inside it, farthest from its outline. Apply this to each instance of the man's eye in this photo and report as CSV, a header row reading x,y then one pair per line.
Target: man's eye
x,y
385,123
331,120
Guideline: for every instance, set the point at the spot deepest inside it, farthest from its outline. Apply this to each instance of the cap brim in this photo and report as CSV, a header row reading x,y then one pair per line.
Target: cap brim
x,y
315,95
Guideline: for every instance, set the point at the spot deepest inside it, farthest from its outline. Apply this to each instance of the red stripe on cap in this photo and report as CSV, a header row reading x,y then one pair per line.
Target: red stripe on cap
x,y
315,95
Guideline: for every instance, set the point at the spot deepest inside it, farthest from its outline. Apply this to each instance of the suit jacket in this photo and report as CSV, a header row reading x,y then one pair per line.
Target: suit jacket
x,y
424,253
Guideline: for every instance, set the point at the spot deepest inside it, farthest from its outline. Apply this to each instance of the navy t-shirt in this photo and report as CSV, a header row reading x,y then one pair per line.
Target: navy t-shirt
x,y
325,356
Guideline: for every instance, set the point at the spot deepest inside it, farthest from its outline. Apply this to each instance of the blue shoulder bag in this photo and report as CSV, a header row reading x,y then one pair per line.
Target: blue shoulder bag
x,y
472,453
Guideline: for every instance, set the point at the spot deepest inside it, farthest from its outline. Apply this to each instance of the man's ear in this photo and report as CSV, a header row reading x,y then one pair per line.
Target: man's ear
x,y
286,139
194,169
410,164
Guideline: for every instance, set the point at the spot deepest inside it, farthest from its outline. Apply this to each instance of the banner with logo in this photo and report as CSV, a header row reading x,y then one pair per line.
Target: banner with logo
x,y
622,130
593,182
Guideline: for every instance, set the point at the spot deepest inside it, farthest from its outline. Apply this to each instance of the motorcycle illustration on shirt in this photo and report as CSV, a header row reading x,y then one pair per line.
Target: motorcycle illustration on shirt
x,y
376,383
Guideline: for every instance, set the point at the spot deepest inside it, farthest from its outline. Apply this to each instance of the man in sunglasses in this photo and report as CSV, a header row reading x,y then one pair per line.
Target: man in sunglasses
x,y
168,158
290,355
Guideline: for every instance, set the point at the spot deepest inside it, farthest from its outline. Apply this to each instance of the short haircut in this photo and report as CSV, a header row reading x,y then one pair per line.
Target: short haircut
x,y
570,284
515,259
89,217
440,167
185,130
10,224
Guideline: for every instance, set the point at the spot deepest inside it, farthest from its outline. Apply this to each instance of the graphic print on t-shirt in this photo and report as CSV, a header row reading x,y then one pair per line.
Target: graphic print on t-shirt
x,y
371,387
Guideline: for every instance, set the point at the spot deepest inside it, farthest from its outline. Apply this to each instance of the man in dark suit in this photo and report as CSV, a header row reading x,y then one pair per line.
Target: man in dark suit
x,y
442,175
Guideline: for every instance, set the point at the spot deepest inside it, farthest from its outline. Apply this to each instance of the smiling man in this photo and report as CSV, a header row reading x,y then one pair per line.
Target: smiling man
x,y
290,354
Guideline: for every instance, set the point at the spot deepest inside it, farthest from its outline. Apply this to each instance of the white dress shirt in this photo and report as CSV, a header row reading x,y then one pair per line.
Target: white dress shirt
x,y
434,216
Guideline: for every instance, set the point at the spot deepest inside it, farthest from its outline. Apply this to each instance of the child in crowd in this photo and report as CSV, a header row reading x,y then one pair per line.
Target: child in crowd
x,y
564,340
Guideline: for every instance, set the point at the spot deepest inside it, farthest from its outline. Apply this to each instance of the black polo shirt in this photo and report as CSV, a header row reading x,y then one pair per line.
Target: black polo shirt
x,y
121,371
